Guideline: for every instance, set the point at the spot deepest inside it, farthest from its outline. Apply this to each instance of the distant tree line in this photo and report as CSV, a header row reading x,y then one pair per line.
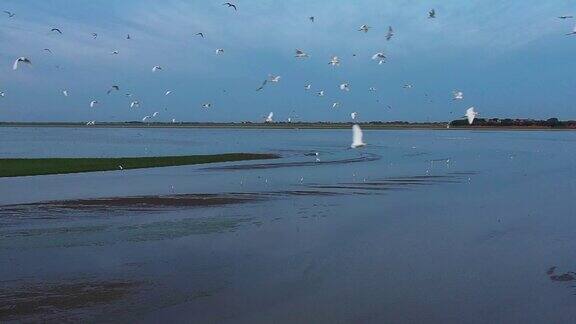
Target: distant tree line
x,y
508,122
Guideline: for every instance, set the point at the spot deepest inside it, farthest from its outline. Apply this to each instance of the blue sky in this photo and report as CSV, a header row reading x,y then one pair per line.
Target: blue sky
x,y
510,58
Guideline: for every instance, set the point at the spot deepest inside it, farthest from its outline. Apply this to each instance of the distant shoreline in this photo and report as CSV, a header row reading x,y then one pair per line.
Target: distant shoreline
x,y
282,125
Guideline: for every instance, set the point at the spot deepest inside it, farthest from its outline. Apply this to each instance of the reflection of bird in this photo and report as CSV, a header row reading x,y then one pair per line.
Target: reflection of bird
x,y
269,118
335,61
357,137
93,103
21,60
56,30
471,115
432,13
390,33
300,54
10,14
364,28
230,5
380,57
114,87
457,95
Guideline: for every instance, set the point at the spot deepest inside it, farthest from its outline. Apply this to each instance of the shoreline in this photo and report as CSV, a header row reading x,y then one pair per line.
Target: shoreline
x,y
286,126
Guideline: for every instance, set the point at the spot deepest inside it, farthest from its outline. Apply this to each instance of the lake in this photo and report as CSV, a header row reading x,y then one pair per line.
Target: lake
x,y
418,226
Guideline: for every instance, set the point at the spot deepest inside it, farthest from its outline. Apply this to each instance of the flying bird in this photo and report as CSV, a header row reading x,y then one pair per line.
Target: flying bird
x,y
93,103
200,34
156,68
230,5
115,53
390,33
145,118
2,94
128,36
573,32
407,86
354,115
357,137
94,35
345,87
19,60
372,89
114,88
320,93
457,95
92,122
364,28
65,93
307,87
48,50
155,114
206,105
274,78
300,54
269,118
135,104
56,30
263,85
219,51
561,17
335,105
471,115
380,57
168,92
311,18
335,61
10,14
432,14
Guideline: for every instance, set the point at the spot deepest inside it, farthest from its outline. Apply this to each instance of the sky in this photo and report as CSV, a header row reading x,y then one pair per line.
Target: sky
x,y
510,58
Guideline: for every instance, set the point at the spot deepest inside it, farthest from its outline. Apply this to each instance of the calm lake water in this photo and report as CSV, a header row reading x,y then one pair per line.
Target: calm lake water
x,y
419,226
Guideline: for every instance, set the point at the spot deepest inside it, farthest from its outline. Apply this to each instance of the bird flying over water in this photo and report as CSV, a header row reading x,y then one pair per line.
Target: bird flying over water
x,y
300,54
372,89
354,115
320,93
471,115
219,51
206,105
335,105
19,60
357,137
168,92
114,88
48,50
311,18
128,36
230,5
269,118
115,52
65,93
345,87
274,78
93,103
263,85
135,104
566,17
380,57
307,87
200,34
156,68
457,95
390,33
432,13
364,28
56,30
94,35
335,61
10,14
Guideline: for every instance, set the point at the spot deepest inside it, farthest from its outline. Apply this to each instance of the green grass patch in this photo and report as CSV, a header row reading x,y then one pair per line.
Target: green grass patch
x,y
31,167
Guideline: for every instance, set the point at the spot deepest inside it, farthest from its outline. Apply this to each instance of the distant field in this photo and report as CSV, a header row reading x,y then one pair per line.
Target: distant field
x,y
30,167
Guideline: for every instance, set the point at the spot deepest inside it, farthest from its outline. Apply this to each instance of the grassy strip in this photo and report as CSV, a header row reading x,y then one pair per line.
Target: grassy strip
x,y
30,167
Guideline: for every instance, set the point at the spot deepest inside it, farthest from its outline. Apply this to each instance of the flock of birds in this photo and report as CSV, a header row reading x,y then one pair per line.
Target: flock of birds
x,y
334,61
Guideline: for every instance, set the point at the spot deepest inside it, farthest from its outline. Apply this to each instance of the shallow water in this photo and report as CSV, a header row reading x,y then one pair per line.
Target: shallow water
x,y
419,226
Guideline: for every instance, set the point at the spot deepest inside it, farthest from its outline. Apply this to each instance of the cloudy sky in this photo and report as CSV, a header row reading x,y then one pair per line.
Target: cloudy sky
x,y
510,58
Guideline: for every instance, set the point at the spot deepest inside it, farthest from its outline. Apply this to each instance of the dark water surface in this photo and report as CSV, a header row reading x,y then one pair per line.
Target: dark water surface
x,y
419,226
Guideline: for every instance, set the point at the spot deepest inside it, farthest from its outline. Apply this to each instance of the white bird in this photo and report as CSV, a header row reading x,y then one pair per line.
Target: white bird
x,y
168,92
390,33
207,105
173,120
155,114
307,87
92,122
135,104
93,103
219,51
364,28
407,86
335,61
354,115
320,93
380,57
145,118
471,115
156,68
2,94
19,60
273,78
335,105
120,167
300,54
269,118
457,95
357,137
65,93
566,17
372,89
345,87
115,52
